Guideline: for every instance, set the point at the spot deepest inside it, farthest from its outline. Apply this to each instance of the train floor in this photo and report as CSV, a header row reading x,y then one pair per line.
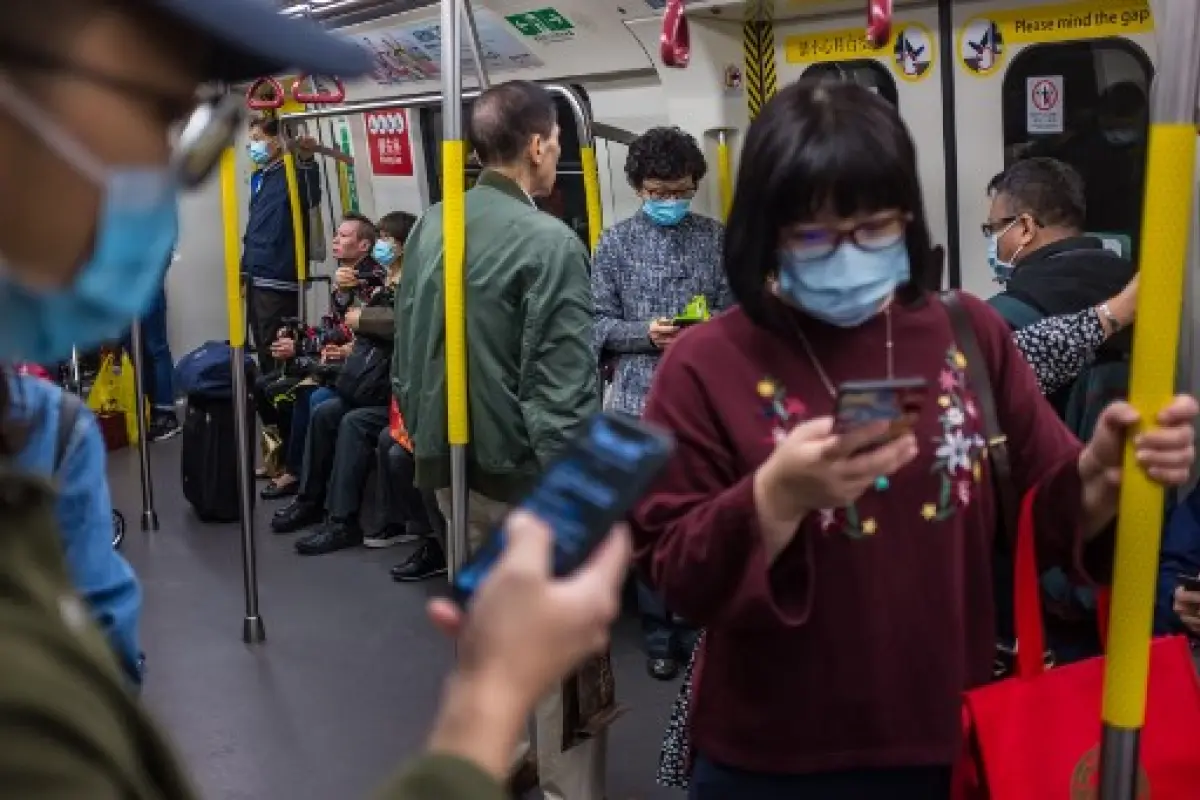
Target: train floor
x,y
347,682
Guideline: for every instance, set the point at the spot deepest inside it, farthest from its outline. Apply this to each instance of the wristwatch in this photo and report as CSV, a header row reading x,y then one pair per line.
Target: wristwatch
x,y
1113,322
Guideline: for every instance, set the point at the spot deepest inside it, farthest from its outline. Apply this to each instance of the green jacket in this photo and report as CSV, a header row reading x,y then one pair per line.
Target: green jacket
x,y
69,727
532,378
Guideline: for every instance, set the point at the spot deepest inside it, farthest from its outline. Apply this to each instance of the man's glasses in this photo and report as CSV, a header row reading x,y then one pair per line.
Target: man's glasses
x,y
209,124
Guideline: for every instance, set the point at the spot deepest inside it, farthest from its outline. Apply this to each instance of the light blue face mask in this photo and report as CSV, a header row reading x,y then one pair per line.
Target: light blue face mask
x,y
847,287
384,252
1002,271
260,152
136,232
667,213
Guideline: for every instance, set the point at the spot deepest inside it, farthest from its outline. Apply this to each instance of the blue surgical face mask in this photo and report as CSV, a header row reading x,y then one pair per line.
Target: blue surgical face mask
x,y
136,231
384,252
1002,271
667,212
260,152
847,287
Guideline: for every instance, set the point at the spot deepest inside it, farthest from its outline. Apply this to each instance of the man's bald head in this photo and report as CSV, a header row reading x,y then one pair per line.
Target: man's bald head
x,y
511,123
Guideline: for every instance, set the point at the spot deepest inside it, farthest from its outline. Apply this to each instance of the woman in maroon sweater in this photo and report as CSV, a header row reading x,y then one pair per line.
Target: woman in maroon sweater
x,y
847,598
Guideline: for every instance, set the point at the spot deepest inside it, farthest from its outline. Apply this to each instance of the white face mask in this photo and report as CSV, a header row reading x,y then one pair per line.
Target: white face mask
x,y
1002,271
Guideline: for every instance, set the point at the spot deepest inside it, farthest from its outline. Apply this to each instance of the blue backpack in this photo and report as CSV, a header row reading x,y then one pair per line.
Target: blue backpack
x,y
207,371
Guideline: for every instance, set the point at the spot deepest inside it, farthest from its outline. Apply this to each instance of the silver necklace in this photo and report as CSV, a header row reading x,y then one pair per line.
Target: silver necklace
x,y
881,483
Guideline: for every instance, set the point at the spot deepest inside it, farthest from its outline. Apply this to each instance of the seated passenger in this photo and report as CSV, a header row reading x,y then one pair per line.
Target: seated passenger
x,y
75,461
646,271
358,274
785,540
1177,608
343,430
412,515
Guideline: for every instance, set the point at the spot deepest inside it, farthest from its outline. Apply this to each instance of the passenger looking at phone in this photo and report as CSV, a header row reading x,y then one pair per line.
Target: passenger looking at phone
x,y
358,275
532,377
1177,606
646,270
787,539
268,247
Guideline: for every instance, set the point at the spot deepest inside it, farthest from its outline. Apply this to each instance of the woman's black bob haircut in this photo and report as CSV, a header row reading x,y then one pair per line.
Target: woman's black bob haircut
x,y
821,146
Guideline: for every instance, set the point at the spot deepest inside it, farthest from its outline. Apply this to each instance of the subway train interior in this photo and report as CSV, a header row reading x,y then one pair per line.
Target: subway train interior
x,y
348,675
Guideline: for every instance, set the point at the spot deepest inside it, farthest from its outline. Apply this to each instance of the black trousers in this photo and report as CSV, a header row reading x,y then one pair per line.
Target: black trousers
x,y
396,469
266,311
337,456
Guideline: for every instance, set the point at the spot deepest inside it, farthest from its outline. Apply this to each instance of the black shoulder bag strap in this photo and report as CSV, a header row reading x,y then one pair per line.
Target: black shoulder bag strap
x,y
997,443
68,414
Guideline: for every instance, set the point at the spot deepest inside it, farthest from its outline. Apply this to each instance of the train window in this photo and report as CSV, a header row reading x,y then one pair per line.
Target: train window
x,y
567,202
864,72
1100,127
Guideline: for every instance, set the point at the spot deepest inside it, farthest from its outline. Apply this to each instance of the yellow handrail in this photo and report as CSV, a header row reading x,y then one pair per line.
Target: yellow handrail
x,y
233,249
293,184
591,193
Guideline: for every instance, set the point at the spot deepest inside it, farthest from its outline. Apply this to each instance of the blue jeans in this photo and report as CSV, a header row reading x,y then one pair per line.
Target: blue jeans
x,y
715,782
156,354
298,435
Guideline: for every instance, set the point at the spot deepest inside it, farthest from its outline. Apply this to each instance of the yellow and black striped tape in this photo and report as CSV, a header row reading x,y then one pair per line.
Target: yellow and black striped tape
x,y
758,49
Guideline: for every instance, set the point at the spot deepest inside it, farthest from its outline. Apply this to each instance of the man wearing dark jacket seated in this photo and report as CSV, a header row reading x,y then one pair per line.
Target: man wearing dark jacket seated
x,y
342,435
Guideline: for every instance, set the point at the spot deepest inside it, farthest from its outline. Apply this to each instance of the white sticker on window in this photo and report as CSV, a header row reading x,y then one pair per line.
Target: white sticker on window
x,y
1044,104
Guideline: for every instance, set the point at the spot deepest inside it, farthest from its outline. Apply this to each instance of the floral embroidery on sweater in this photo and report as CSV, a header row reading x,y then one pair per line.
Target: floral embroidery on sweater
x,y
958,454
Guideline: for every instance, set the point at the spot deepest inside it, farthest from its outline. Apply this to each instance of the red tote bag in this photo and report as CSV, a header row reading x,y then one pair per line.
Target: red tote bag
x,y
1036,736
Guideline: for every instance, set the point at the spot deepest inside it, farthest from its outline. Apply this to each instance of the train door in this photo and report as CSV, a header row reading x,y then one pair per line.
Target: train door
x,y
568,201
1069,80
905,73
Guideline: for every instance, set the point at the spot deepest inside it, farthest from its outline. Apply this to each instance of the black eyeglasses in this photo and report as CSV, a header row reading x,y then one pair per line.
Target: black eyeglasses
x,y
810,244
210,122
992,228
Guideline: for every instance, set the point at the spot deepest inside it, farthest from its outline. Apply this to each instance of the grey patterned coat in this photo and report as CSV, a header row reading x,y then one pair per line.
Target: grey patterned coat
x,y
641,272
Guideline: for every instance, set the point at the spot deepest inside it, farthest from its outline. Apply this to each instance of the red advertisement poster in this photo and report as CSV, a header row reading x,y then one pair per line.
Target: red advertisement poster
x,y
387,138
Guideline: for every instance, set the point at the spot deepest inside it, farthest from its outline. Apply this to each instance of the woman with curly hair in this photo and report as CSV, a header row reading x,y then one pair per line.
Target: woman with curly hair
x,y
647,270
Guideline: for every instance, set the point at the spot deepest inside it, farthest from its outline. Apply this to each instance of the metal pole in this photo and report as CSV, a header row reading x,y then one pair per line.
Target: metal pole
x,y
253,629
76,373
454,226
149,515
432,100
473,43
946,67
1166,225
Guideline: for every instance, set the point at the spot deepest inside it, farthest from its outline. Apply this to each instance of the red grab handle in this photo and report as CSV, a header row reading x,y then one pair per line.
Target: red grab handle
x,y
675,44
318,98
253,101
879,22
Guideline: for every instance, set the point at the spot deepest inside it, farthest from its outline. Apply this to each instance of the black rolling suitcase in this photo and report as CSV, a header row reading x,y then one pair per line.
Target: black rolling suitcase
x,y
209,460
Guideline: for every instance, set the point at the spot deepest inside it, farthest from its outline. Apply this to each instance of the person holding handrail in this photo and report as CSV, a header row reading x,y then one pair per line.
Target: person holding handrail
x,y
89,93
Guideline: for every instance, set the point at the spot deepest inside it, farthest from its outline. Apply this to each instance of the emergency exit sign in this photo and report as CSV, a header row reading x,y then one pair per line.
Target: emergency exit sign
x,y
546,25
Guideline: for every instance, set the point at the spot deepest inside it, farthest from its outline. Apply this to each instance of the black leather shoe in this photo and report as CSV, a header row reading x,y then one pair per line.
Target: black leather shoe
x,y
427,561
297,516
278,491
662,669
329,539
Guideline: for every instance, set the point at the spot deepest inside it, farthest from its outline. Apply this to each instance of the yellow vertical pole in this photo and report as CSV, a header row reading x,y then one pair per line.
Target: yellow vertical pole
x,y
1166,221
301,246
454,164
591,193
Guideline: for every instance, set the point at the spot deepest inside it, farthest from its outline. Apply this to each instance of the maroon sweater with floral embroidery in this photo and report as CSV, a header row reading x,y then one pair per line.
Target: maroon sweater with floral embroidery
x,y
854,648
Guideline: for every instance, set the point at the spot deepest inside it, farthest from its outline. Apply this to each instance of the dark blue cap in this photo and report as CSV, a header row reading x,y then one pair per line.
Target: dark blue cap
x,y
250,39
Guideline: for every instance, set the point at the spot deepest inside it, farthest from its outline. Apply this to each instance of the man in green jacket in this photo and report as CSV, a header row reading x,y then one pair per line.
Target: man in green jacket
x,y
89,92
531,374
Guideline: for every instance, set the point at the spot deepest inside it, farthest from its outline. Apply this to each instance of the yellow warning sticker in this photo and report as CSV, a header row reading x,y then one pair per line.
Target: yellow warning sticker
x,y
1083,19
832,45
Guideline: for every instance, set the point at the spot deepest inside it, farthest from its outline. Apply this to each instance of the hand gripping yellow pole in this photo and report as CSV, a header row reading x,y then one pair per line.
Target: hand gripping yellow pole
x,y
453,269
252,624
1166,222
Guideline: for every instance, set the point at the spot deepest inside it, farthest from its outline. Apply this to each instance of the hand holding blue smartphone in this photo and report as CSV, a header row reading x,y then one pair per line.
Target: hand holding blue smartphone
x,y
590,487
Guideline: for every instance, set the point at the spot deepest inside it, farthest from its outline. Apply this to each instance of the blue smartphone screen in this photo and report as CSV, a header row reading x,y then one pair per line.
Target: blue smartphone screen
x,y
590,487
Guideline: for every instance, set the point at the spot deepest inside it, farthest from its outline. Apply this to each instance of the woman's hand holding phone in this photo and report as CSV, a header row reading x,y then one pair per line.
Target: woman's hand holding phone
x,y
814,468
525,632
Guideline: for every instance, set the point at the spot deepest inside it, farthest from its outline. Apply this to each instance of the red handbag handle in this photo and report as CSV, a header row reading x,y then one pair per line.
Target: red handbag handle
x,y
879,22
256,103
318,98
1027,598
675,44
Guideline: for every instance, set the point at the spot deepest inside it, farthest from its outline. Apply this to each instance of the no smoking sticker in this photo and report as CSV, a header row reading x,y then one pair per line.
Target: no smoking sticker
x,y
1044,105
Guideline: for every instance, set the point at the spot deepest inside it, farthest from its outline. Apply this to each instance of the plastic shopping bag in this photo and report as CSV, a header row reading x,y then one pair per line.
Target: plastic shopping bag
x,y
113,399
